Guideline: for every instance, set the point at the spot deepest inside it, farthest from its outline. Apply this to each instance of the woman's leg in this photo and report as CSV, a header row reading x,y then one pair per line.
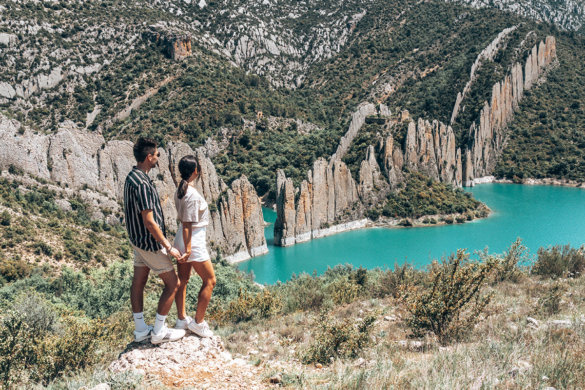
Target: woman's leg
x,y
184,271
205,271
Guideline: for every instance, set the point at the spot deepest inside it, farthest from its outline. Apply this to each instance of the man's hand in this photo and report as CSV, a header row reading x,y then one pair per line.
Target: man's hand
x,y
175,253
184,258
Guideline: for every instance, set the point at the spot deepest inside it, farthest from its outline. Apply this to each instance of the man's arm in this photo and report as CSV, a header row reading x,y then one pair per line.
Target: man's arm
x,y
154,229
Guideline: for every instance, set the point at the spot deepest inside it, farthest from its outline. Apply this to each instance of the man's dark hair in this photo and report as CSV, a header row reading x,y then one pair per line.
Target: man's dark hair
x,y
143,147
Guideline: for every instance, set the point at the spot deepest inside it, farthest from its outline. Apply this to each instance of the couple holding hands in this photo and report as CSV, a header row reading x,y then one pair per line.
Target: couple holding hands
x,y
153,252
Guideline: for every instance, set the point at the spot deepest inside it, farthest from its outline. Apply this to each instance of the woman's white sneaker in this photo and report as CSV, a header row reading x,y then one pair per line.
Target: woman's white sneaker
x,y
182,324
166,334
201,329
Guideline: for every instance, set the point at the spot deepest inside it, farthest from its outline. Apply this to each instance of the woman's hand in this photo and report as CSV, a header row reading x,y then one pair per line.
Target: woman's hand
x,y
184,257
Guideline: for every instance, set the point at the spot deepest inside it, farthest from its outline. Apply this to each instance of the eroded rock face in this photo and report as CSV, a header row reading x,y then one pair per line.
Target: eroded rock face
x,y
488,136
328,197
83,160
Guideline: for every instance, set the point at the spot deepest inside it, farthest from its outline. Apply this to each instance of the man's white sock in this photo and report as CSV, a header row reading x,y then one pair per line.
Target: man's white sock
x,y
159,322
139,322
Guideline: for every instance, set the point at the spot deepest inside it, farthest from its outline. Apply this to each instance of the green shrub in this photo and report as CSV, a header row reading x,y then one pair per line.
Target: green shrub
x,y
560,261
250,306
303,293
5,218
334,339
343,290
450,304
14,170
33,353
509,267
14,269
394,282
42,248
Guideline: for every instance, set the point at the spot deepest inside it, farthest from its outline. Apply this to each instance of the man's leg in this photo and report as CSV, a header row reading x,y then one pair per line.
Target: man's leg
x,y
168,295
137,290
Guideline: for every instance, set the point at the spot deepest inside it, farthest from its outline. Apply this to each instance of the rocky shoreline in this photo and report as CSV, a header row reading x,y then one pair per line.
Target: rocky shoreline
x,y
547,181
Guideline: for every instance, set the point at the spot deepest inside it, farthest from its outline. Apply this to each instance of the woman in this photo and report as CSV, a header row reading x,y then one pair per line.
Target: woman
x,y
193,213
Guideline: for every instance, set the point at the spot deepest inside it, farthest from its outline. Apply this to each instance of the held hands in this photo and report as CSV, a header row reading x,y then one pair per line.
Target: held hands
x,y
175,253
184,257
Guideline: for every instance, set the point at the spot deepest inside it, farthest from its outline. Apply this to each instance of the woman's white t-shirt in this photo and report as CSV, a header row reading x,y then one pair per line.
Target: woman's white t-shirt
x,y
193,208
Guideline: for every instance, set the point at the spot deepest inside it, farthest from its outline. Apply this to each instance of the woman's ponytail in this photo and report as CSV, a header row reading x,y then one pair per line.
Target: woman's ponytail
x,y
182,188
187,166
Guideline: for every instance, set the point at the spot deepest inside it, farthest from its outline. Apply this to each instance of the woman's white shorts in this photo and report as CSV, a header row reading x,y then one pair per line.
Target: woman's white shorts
x,y
198,244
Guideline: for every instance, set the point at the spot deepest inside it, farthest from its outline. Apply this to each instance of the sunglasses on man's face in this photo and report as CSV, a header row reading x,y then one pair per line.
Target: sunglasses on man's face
x,y
157,154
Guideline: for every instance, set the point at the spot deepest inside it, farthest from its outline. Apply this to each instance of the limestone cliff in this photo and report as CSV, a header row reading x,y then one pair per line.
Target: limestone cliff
x,y
329,197
431,149
487,136
84,160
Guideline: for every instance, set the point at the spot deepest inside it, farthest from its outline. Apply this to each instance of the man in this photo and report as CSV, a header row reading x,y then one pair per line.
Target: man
x,y
146,228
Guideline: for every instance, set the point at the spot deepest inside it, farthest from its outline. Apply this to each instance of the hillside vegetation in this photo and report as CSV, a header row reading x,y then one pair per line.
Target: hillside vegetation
x,y
409,55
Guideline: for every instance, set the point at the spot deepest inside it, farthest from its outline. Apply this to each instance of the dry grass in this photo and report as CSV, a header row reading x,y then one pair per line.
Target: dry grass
x,y
503,351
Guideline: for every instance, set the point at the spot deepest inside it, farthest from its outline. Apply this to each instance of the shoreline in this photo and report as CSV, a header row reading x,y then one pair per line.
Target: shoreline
x,y
431,220
547,181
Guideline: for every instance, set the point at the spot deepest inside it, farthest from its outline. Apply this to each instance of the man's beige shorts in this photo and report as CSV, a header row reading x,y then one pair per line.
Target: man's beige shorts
x,y
159,262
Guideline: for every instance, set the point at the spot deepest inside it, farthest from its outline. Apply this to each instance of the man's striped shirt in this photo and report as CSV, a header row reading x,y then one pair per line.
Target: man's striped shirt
x,y
140,194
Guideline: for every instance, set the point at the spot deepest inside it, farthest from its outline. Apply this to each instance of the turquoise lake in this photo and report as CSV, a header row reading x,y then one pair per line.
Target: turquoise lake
x,y
541,215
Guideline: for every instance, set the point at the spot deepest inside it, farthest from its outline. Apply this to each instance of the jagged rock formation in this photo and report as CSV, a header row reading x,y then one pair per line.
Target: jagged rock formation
x,y
79,159
327,199
431,149
488,136
486,54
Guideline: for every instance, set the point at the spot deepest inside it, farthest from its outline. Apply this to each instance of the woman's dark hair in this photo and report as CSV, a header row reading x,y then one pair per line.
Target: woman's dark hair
x,y
187,165
143,147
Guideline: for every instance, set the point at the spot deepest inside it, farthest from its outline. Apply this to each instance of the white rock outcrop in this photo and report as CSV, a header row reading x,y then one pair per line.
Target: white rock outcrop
x,y
84,160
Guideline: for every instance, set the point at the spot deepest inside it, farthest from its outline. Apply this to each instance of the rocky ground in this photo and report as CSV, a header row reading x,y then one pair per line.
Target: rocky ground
x,y
190,362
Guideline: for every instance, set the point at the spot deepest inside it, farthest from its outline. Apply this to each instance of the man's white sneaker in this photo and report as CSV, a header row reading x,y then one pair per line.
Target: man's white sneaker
x,y
166,334
142,335
201,329
182,324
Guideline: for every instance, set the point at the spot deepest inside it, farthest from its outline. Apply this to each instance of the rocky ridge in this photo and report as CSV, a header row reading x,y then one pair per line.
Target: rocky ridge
x,y
84,160
487,137
567,14
330,200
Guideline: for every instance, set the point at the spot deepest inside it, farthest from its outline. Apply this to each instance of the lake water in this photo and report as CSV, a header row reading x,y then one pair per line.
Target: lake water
x,y
541,215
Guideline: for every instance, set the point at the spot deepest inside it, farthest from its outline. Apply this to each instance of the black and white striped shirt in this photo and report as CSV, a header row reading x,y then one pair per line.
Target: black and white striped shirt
x,y
140,194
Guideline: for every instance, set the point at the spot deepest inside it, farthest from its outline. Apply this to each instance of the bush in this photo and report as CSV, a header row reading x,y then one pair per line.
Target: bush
x,y
560,261
334,338
30,353
508,268
303,293
12,270
248,306
394,282
343,290
5,218
451,303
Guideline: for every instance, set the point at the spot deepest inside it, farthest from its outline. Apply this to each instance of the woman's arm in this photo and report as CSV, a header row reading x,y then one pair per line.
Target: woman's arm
x,y
187,232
